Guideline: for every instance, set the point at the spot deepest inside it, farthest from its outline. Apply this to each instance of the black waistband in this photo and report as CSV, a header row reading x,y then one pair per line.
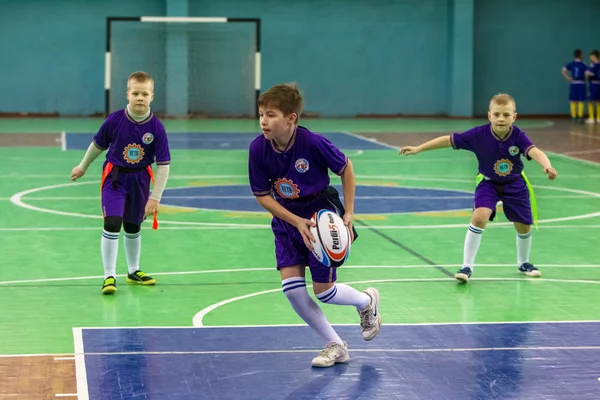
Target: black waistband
x,y
118,168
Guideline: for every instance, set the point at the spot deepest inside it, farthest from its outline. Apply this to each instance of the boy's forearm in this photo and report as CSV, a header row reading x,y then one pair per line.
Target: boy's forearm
x,y
349,187
276,209
540,157
162,175
437,143
91,154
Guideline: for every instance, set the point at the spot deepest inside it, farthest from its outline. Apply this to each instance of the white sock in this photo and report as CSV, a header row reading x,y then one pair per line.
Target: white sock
x,y
109,247
345,295
133,245
523,248
472,242
310,312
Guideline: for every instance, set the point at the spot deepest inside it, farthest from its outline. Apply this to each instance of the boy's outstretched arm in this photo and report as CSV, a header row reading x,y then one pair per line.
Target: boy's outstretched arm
x,y
437,143
541,158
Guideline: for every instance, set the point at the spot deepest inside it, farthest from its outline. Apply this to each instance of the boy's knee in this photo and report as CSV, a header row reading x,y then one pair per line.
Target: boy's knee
x,y
112,224
131,228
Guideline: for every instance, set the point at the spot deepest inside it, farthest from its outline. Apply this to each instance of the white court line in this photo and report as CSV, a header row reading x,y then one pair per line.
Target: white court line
x,y
584,135
370,140
251,197
63,141
197,320
353,324
358,350
249,227
261,269
64,395
579,160
80,371
583,152
64,358
17,200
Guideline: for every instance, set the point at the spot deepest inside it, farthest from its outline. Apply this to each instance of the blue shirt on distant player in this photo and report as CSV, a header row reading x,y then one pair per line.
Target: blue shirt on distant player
x,y
577,69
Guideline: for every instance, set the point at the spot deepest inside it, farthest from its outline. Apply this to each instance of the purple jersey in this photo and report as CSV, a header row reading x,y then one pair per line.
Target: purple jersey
x,y
499,158
300,172
133,144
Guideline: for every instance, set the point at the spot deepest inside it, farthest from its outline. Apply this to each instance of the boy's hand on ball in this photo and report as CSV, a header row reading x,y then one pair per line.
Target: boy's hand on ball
x,y
348,217
303,225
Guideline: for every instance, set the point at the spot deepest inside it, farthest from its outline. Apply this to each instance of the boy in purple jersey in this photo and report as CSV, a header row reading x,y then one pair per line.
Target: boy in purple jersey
x,y
135,139
288,171
593,74
498,147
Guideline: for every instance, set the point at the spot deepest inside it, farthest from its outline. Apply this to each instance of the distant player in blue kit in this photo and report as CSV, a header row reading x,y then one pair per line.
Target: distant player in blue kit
x,y
593,74
577,89
498,147
288,171
135,139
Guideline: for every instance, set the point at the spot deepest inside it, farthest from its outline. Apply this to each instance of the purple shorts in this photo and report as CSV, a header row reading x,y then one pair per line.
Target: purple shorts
x,y
514,196
290,250
128,199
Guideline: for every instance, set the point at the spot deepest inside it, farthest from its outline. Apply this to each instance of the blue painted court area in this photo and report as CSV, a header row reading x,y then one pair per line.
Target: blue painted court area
x,y
369,199
463,362
225,141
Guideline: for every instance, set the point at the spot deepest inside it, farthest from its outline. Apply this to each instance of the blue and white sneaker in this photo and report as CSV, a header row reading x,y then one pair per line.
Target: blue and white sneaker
x,y
463,275
529,270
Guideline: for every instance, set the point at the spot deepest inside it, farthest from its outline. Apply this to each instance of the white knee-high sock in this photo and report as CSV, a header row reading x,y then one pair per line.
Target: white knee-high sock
x,y
345,295
310,312
133,246
109,247
472,242
523,248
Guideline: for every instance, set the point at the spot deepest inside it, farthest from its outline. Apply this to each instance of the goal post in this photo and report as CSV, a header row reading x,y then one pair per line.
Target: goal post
x,y
207,66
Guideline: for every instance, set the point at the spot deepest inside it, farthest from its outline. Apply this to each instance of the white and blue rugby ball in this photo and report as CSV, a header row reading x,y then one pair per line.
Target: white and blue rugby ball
x,y
332,246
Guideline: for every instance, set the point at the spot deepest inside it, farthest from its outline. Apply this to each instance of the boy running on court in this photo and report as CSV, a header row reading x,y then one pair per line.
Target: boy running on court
x,y
135,139
498,147
288,172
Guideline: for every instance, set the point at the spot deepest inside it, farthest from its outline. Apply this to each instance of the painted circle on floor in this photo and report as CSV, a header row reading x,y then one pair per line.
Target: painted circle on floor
x,y
369,199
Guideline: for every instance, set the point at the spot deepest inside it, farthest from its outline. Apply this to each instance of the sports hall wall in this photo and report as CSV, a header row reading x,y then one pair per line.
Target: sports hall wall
x,y
351,57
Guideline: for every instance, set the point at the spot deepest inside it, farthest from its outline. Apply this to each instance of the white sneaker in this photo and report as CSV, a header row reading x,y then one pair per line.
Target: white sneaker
x,y
590,121
332,353
370,319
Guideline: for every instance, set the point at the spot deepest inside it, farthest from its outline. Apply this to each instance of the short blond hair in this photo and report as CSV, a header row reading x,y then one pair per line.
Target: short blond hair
x,y
285,97
140,77
503,99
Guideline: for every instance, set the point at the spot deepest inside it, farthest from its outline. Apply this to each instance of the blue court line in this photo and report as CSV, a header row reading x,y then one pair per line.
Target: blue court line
x,y
473,361
225,141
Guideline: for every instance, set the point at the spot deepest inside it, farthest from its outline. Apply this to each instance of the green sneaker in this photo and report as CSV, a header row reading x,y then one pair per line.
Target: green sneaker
x,y
140,278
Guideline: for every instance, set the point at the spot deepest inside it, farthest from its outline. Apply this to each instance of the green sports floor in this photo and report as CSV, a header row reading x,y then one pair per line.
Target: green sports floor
x,y
213,254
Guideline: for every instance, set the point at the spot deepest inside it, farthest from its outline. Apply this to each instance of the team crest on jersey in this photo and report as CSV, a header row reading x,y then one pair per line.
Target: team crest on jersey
x,y
133,153
301,165
503,167
513,150
287,188
148,138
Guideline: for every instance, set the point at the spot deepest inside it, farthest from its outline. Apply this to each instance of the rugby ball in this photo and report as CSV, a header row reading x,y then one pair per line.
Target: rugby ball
x,y
332,237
